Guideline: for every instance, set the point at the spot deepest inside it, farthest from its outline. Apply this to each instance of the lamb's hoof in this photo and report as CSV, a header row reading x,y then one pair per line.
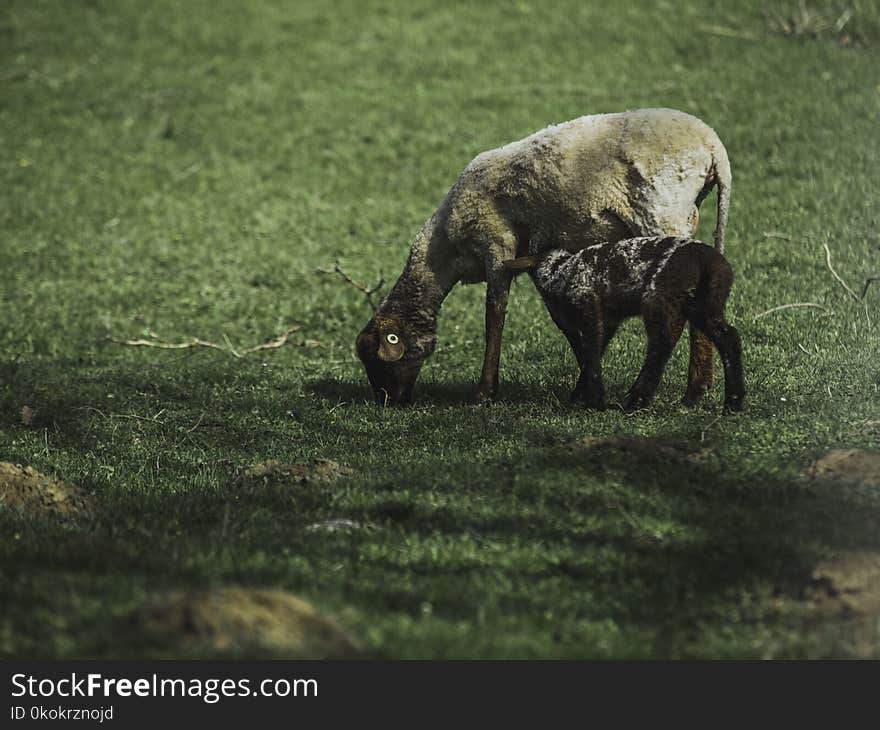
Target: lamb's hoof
x,y
588,403
635,401
734,404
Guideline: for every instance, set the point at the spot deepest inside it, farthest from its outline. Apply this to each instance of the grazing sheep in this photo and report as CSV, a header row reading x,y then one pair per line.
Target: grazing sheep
x,y
597,178
666,281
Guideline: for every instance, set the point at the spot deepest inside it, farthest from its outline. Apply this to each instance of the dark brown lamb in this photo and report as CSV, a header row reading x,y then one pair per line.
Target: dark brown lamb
x,y
666,281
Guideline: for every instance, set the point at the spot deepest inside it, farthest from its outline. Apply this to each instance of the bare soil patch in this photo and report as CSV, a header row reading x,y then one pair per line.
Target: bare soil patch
x,y
25,489
298,484
235,620
846,594
850,465
275,472
643,449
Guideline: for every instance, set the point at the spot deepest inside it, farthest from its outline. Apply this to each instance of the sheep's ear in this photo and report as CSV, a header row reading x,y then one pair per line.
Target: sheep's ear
x,y
366,345
391,347
521,264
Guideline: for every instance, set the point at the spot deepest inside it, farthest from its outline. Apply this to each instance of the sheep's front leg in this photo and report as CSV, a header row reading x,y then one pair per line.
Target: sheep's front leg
x,y
497,293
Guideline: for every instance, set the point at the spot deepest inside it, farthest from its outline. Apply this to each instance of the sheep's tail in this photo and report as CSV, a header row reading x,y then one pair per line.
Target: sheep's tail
x,y
721,172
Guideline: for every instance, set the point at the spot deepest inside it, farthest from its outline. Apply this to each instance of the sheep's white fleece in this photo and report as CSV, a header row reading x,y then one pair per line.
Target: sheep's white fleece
x,y
597,178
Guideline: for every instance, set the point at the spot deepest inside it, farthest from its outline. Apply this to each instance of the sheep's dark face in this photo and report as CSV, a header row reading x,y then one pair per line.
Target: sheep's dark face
x,y
392,364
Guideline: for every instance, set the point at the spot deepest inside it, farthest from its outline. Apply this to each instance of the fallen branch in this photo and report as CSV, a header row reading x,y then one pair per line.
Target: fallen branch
x,y
158,342
787,306
836,275
367,291
168,345
274,343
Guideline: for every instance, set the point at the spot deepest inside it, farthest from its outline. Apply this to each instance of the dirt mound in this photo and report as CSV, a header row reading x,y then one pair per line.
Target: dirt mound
x,y
274,472
27,490
234,620
848,584
642,448
845,594
298,486
851,465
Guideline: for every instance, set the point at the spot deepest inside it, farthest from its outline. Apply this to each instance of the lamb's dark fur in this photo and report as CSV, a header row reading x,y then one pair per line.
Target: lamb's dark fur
x,y
666,281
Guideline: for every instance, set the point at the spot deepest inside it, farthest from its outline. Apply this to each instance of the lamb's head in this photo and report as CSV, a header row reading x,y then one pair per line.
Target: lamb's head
x,y
393,357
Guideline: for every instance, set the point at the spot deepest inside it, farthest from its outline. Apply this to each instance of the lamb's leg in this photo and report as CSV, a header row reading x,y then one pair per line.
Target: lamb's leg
x,y
589,348
572,335
726,339
608,331
587,339
661,328
497,292
578,343
710,319
590,390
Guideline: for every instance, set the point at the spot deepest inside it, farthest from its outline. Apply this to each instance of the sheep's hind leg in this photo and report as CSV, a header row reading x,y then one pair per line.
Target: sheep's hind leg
x,y
701,367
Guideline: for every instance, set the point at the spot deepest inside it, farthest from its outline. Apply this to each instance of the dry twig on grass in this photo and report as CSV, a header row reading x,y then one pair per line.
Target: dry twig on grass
x,y
805,21
788,306
725,32
367,291
836,275
157,342
707,427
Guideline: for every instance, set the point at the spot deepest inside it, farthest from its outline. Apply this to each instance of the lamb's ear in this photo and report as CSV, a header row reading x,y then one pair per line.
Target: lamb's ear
x,y
391,347
521,264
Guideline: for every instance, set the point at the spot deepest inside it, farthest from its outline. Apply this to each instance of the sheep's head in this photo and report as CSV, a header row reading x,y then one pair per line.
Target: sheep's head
x,y
392,359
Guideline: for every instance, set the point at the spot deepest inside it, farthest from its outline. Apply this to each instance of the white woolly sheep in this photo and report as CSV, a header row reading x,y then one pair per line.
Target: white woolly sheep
x,y
597,178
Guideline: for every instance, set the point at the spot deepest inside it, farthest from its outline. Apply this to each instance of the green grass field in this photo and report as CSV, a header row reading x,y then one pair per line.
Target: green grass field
x,y
188,166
